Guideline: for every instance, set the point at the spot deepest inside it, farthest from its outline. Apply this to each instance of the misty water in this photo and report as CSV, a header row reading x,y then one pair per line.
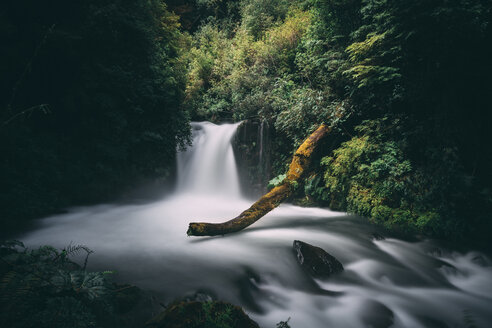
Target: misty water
x,y
386,283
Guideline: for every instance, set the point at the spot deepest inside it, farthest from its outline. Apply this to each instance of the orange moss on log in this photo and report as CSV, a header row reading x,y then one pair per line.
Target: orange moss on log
x,y
302,156
298,166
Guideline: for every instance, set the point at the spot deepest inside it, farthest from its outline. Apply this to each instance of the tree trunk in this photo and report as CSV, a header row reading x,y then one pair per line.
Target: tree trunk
x,y
299,164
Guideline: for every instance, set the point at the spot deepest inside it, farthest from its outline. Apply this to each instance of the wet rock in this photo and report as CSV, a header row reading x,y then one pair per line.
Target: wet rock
x,y
199,296
316,261
433,322
480,260
201,314
377,236
446,268
249,291
375,314
252,149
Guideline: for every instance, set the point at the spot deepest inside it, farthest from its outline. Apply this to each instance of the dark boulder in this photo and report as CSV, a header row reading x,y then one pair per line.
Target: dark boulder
x,y
316,261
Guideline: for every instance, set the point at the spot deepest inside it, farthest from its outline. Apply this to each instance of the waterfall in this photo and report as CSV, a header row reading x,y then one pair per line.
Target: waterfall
x,y
386,283
208,166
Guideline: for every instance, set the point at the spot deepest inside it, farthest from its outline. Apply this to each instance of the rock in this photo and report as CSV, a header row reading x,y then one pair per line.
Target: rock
x,y
201,314
376,314
199,296
316,261
480,260
377,236
252,149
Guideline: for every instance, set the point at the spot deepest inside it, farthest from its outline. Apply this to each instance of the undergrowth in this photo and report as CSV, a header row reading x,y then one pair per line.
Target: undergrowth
x,y
43,287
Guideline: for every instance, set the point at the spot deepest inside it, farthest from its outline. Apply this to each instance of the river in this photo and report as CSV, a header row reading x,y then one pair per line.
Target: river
x,y
386,283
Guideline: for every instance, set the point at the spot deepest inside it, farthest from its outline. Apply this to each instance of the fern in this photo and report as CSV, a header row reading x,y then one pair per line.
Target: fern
x,y
73,250
276,181
283,324
55,291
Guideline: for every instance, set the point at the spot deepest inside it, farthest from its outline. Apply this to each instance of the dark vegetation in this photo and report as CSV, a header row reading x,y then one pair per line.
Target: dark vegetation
x,y
404,85
46,288
90,97
209,314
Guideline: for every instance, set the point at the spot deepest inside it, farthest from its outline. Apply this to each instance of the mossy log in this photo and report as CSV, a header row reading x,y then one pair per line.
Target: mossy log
x,y
298,166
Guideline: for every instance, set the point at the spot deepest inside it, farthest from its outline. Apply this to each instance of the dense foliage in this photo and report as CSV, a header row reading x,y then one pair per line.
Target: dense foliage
x,y
370,175
403,84
93,91
44,288
89,101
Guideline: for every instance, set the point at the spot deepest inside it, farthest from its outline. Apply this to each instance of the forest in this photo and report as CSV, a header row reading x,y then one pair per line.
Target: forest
x,y
403,85
96,97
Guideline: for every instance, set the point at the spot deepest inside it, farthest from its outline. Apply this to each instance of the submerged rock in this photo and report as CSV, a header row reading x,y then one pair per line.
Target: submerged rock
x,y
376,314
316,260
201,314
377,236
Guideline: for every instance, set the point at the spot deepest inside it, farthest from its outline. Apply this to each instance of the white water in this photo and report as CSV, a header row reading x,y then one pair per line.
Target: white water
x,y
209,167
385,283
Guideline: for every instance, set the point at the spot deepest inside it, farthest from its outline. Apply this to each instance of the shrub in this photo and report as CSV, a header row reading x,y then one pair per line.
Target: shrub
x,y
44,288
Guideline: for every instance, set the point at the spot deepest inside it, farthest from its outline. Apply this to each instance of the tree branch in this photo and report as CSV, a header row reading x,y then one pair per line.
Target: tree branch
x,y
298,166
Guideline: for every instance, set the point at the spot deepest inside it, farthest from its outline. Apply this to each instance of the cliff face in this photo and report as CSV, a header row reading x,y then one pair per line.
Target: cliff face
x,y
252,148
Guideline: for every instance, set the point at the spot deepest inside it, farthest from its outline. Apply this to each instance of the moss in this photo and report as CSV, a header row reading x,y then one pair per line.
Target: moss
x,y
302,156
363,200
381,213
429,222
373,177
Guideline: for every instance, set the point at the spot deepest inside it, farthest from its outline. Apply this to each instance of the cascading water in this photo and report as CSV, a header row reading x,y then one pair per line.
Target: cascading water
x,y
208,166
386,283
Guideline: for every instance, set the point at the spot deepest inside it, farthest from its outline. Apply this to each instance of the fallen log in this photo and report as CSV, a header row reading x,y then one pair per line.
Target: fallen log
x,y
298,166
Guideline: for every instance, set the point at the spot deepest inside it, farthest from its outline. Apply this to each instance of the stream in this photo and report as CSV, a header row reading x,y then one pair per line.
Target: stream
x,y
386,283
